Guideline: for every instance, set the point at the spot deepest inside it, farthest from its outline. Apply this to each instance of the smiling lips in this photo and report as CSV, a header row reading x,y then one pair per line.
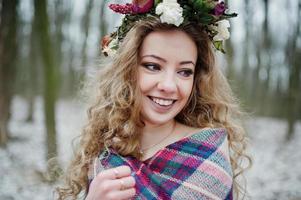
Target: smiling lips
x,y
162,102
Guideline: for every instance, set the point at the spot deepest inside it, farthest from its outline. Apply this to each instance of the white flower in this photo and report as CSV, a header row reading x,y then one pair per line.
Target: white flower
x,y
171,12
222,30
113,43
110,49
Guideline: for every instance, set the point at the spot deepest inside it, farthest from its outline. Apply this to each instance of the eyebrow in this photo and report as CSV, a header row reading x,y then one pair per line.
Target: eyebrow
x,y
163,60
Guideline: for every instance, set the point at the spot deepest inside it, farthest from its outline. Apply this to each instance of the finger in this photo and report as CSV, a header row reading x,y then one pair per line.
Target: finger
x,y
118,184
115,173
125,183
122,171
122,194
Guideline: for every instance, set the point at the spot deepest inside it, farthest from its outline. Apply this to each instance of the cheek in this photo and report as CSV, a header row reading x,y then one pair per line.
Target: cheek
x,y
141,80
145,82
186,90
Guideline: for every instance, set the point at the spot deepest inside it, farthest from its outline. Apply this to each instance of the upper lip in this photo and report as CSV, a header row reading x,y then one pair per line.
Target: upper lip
x,y
162,98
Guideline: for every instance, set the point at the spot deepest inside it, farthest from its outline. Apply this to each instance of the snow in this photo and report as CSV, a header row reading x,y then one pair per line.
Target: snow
x,y
275,174
276,171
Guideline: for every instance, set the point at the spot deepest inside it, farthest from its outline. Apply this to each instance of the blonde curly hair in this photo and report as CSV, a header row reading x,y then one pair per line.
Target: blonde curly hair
x,y
114,119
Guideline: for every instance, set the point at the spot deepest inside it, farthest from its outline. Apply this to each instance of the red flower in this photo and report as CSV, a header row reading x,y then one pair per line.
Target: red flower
x,y
123,9
138,6
144,5
105,41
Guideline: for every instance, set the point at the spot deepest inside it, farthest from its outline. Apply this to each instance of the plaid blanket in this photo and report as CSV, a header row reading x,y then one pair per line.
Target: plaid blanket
x,y
195,167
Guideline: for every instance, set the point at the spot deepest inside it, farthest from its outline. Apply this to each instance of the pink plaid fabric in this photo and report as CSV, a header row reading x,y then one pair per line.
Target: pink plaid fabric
x,y
195,167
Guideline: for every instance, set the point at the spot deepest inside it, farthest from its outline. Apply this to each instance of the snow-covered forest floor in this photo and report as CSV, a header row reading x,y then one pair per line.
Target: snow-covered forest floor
x,y
276,171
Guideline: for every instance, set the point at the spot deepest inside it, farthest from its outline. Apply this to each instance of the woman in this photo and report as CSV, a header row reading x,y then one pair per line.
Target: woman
x,y
163,125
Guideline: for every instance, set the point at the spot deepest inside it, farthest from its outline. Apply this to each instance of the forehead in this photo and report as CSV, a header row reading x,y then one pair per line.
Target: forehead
x,y
171,44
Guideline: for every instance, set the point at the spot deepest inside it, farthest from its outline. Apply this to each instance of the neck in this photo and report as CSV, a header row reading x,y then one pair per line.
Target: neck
x,y
157,129
154,133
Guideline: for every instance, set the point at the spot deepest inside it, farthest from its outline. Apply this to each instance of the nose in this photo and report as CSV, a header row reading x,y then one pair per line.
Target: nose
x,y
167,83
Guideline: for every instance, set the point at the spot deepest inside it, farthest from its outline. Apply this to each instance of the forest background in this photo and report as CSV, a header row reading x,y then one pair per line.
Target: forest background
x,y
49,48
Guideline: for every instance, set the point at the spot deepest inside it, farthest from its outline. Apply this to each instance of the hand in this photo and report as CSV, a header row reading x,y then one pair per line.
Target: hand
x,y
112,184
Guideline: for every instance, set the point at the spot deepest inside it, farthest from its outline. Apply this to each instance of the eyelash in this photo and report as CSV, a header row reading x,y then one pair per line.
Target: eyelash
x,y
149,65
155,67
187,72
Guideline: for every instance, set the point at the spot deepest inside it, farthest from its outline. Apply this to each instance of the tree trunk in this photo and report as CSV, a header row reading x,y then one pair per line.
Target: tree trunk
x,y
32,82
264,96
230,60
8,55
244,80
103,24
259,87
50,75
294,78
86,27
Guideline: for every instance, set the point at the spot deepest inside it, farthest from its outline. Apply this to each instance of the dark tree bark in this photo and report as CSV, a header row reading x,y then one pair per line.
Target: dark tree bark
x,y
267,45
103,24
293,56
8,55
86,21
63,19
246,49
50,74
230,58
260,87
32,82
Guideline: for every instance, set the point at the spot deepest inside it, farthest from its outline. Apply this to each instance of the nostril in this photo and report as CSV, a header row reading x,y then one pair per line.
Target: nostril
x,y
168,86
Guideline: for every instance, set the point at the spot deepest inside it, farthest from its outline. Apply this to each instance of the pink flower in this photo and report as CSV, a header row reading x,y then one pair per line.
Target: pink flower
x,y
123,9
143,5
219,9
138,6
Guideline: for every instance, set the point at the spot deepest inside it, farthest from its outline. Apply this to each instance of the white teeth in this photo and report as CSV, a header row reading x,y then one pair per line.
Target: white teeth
x,y
162,102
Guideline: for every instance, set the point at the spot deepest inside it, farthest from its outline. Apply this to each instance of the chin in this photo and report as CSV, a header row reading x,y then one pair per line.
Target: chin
x,y
156,118
156,121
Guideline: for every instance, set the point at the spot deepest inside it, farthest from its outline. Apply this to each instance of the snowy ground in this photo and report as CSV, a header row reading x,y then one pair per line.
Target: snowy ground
x,y
276,171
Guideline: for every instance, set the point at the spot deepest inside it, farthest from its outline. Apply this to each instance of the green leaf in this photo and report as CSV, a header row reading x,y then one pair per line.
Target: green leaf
x,y
219,46
157,2
201,6
115,47
230,15
206,19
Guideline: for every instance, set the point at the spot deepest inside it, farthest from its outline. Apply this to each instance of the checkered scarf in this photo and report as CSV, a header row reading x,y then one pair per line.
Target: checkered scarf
x,y
195,167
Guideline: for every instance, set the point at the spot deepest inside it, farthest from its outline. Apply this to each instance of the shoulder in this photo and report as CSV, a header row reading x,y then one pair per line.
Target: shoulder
x,y
95,165
212,142
92,167
215,138
216,145
186,130
205,132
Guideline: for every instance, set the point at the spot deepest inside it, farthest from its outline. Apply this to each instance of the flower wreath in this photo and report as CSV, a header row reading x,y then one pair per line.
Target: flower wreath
x,y
211,14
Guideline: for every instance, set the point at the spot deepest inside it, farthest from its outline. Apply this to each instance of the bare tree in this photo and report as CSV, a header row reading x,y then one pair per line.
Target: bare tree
x,y
103,23
259,88
230,58
293,58
86,21
50,74
32,70
8,55
246,48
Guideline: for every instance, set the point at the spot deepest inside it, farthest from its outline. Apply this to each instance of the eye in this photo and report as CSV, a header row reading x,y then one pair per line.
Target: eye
x,y
186,72
151,66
